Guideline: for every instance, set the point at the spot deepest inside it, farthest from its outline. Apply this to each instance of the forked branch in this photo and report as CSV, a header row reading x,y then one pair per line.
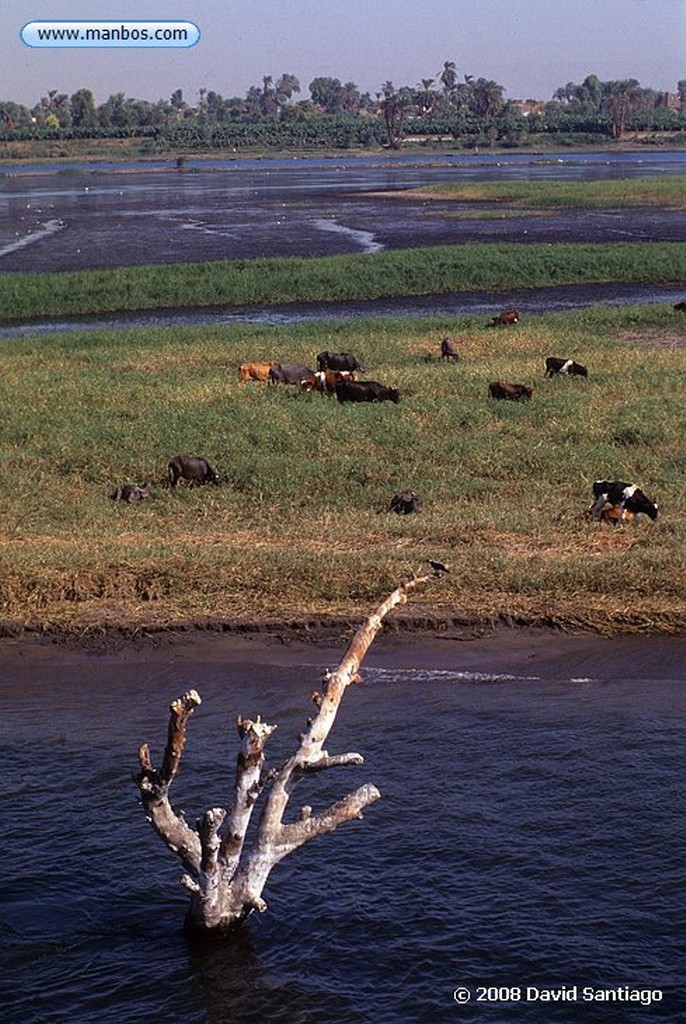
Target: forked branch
x,y
225,879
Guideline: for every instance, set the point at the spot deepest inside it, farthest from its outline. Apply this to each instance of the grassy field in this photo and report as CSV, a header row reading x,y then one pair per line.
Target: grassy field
x,y
299,528
428,271
667,191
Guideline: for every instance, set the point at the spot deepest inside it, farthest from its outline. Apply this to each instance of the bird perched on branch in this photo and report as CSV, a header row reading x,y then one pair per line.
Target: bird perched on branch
x,y
438,567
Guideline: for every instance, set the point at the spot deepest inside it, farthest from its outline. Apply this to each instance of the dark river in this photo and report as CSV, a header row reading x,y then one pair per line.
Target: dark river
x,y
529,840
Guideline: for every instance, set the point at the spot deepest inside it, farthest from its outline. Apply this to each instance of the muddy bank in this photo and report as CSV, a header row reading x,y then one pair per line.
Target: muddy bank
x,y
498,650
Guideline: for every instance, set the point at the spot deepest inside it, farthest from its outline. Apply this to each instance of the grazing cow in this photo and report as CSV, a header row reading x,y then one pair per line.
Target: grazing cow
x,y
506,318
405,502
338,361
510,392
193,468
629,498
565,367
288,373
680,306
615,514
448,350
254,371
365,391
325,381
132,492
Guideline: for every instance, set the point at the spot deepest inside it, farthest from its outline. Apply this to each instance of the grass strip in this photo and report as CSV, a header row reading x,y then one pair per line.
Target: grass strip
x,y
667,191
260,282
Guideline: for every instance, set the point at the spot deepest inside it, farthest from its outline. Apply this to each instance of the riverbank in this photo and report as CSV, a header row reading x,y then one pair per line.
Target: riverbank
x,y
493,649
66,152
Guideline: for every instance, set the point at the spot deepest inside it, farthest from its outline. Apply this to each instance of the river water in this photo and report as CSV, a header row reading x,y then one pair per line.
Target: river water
x,y
529,839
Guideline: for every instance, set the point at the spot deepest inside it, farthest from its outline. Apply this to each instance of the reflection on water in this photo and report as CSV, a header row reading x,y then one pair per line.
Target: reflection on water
x,y
530,832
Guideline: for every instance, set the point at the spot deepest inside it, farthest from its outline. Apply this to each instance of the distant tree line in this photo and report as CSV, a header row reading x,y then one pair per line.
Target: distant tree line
x,y
339,115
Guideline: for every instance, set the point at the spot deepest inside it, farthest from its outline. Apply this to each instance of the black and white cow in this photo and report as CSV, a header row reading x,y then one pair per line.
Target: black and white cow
x,y
566,367
629,497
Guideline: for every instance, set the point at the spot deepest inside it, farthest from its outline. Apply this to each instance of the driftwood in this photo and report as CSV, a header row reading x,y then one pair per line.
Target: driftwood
x,y
225,879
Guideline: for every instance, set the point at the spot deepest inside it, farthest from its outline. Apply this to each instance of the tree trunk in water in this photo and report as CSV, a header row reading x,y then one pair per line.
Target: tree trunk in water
x,y
225,879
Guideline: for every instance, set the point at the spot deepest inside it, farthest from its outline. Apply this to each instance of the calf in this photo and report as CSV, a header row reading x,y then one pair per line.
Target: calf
x,y
510,392
365,391
338,361
555,366
132,492
448,350
254,371
506,318
615,514
325,381
193,468
628,497
288,373
405,502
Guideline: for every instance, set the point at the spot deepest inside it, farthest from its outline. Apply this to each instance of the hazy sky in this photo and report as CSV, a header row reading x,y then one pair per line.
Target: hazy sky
x,y
531,47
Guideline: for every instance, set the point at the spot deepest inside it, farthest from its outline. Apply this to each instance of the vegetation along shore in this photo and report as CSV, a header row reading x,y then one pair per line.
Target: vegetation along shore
x,y
299,528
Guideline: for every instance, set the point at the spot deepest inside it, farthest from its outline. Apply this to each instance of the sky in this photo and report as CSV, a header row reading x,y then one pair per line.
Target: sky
x,y
530,47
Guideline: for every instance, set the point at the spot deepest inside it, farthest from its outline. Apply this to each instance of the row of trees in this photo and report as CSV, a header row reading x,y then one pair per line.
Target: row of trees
x,y
445,104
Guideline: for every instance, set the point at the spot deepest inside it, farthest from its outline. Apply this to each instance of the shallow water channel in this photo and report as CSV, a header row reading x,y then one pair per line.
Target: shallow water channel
x,y
107,216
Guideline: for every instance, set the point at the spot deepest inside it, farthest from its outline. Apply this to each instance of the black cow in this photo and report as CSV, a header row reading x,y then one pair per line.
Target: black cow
x,y
554,366
629,497
132,492
448,350
405,502
365,391
193,468
680,306
510,392
288,373
338,361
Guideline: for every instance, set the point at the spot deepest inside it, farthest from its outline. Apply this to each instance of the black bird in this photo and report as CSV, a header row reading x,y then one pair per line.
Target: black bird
x,y
438,567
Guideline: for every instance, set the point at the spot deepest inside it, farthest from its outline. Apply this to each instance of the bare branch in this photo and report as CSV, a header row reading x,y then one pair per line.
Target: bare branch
x,y
225,880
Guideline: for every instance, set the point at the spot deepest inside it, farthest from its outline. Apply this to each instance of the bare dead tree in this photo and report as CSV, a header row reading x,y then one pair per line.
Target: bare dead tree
x,y
225,879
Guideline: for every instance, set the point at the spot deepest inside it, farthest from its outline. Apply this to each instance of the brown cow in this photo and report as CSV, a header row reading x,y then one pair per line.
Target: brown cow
x,y
325,381
512,392
507,317
254,371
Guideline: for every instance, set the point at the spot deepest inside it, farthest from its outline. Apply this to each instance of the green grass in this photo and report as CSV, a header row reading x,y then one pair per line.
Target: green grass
x,y
663,190
300,526
425,271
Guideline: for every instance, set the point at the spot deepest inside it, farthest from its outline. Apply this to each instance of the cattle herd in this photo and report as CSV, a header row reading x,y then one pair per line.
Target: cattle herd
x,y
614,501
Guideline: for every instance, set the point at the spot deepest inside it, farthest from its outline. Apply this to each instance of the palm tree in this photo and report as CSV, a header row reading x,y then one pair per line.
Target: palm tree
x,y
428,96
487,98
448,79
286,85
394,106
